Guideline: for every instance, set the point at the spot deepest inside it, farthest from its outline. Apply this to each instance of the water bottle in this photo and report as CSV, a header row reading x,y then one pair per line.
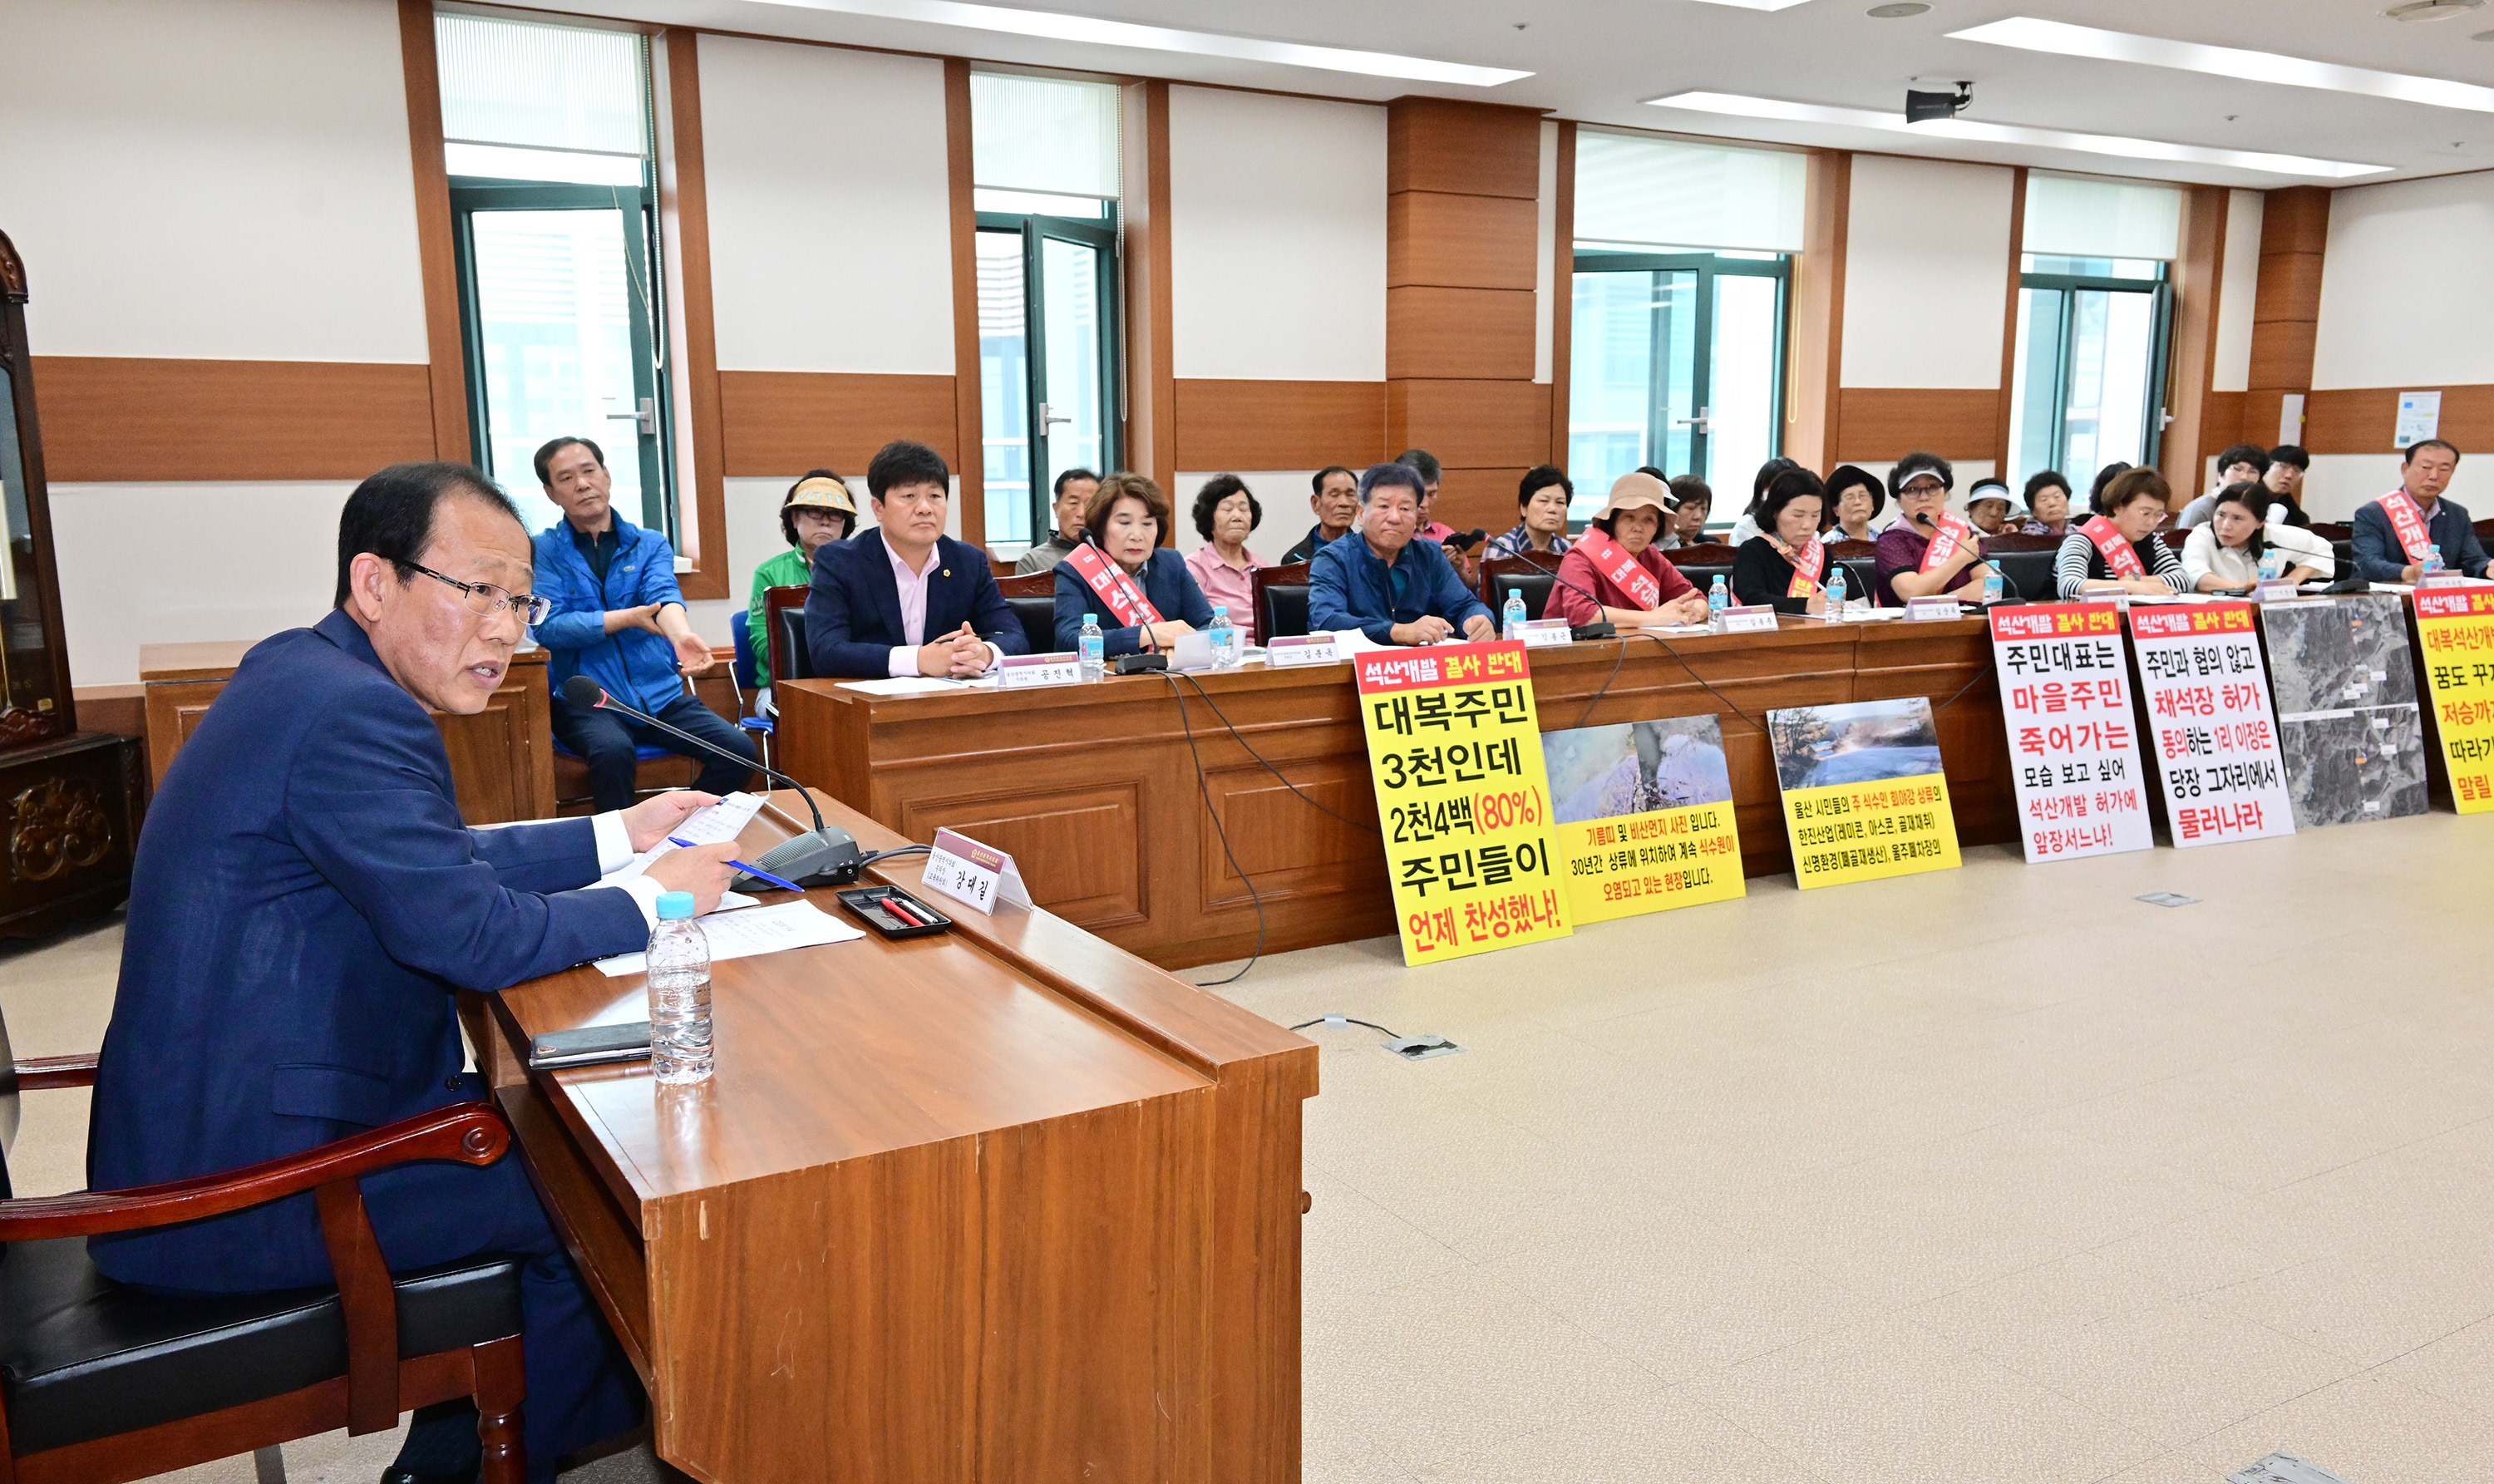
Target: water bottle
x,y
1835,592
2432,563
2270,563
1994,588
1514,617
1224,638
679,959
1094,648
1717,599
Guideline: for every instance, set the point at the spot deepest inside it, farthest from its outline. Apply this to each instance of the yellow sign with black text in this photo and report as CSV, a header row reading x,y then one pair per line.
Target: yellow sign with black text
x,y
1643,817
2455,626
1863,796
1455,751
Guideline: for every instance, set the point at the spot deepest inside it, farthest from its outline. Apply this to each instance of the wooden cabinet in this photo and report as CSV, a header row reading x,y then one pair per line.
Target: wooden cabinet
x,y
501,758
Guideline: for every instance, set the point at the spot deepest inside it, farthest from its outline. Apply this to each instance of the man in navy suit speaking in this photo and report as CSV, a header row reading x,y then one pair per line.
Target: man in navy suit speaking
x,y
906,600
304,902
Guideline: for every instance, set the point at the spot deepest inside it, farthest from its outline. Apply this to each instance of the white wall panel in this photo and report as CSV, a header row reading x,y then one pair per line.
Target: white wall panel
x,y
2238,285
225,181
1277,237
2407,299
1925,273
830,208
1283,492
2338,484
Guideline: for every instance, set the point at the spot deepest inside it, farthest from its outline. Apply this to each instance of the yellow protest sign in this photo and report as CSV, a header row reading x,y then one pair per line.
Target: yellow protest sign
x,y
1863,796
2455,626
1643,817
1462,799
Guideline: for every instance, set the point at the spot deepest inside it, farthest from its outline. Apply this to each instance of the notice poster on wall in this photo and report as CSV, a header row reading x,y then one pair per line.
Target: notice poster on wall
x,y
1643,817
2065,705
2455,625
1462,797
2419,419
2347,717
2217,753
1864,797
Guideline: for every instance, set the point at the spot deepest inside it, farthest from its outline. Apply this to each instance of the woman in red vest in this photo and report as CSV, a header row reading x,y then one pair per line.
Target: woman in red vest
x,y
1617,563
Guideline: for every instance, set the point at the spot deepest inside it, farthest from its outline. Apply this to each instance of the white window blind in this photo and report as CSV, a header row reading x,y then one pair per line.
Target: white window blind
x,y
1044,134
542,87
2078,216
1632,188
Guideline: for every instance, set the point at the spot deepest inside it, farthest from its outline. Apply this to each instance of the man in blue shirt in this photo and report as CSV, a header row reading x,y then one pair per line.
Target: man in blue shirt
x,y
619,618
1384,583
2425,472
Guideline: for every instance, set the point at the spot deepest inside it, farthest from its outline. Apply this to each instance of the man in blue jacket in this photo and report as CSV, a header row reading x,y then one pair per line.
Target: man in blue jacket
x,y
304,901
1385,584
619,618
2425,472
903,598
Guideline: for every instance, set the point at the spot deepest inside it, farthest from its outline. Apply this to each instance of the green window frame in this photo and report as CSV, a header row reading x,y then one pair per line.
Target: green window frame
x,y
1101,235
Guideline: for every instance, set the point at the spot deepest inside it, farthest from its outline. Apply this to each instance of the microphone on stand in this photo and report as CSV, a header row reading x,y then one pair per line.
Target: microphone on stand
x,y
1600,627
827,857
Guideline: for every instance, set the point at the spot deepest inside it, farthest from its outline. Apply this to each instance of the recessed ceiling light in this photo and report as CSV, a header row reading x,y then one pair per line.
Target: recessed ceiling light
x,y
2431,10
1055,25
2065,40
1973,131
1758,5
1899,11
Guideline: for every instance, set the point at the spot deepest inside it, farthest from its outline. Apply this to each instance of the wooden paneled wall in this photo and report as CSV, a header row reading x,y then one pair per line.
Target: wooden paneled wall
x,y
2294,234
143,418
2200,427
1235,425
1462,182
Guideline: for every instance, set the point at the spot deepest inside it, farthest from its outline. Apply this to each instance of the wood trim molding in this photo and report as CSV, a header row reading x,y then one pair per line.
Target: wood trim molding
x,y
2008,397
2359,419
1151,381
1563,290
785,422
2199,282
1884,423
1469,424
1241,425
969,453
683,218
142,418
2286,306
1814,406
435,258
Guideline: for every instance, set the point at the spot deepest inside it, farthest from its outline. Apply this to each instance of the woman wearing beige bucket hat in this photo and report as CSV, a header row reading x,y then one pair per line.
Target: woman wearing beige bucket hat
x,y
818,509
1616,573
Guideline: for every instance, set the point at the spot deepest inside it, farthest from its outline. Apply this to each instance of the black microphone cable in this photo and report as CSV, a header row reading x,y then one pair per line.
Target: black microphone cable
x,y
1241,738
1205,788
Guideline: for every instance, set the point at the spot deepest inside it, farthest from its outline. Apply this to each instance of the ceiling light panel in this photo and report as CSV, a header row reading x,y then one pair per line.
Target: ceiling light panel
x,y
2060,38
1758,5
1055,25
1973,132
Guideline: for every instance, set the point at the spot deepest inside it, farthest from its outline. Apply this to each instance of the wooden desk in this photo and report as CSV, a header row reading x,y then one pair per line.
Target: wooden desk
x,y
1093,788
502,759
1000,1205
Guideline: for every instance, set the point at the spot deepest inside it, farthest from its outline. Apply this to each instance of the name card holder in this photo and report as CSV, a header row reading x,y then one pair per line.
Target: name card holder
x,y
1543,633
1288,651
1026,672
1750,619
971,873
2446,580
1930,610
2274,591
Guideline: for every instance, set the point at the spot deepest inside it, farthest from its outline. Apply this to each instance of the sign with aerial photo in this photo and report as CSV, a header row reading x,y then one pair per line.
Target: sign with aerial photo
x,y
1863,796
2347,717
1642,814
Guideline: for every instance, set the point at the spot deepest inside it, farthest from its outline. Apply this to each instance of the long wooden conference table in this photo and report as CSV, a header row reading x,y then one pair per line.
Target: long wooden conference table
x,y
1001,1204
1094,791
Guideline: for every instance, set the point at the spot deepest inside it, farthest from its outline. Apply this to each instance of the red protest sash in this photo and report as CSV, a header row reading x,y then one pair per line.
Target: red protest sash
x,y
1612,560
1951,532
2119,554
1807,563
2416,539
1124,597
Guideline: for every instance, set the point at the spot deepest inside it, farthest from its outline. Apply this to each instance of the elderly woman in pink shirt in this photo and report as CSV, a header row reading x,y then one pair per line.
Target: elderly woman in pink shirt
x,y
1225,512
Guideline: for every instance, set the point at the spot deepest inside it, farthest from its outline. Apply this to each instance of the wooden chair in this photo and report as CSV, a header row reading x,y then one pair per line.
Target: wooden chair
x,y
1846,551
1281,600
106,1384
1533,576
1702,564
1033,600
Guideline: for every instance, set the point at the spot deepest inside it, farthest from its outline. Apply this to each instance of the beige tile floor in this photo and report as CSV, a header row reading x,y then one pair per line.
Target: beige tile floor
x,y
1991,1175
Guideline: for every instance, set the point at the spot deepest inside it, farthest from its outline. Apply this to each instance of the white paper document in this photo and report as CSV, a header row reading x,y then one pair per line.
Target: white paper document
x,y
758,930
715,824
904,685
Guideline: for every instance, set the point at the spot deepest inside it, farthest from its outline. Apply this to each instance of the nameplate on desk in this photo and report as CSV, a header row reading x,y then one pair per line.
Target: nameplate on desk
x,y
2446,580
1547,633
2274,591
1023,672
1928,610
1285,652
973,874
1750,618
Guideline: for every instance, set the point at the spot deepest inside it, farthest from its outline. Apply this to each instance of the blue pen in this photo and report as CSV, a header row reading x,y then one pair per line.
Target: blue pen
x,y
754,871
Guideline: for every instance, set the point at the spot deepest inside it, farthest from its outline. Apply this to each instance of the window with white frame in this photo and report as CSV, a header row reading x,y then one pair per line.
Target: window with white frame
x,y
1044,163
1682,270
2095,319
547,135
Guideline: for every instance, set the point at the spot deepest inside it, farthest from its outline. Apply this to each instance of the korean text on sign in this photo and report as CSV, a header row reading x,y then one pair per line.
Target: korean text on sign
x,y
1863,831
2210,719
1455,751
2065,703
1644,817
2455,625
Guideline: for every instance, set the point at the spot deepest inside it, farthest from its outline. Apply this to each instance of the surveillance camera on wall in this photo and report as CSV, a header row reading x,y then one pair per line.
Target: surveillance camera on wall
x,y
1929,108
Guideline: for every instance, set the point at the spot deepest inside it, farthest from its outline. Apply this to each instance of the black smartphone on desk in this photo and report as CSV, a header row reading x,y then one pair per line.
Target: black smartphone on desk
x,y
588,1045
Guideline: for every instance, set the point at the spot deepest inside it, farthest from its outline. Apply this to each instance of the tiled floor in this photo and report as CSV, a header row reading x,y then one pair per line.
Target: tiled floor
x,y
1991,1175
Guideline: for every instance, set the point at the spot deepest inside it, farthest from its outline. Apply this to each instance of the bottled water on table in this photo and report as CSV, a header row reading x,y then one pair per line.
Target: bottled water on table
x,y
1093,646
2271,563
679,1048
1835,592
1514,616
1994,588
1718,597
2431,564
1223,637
